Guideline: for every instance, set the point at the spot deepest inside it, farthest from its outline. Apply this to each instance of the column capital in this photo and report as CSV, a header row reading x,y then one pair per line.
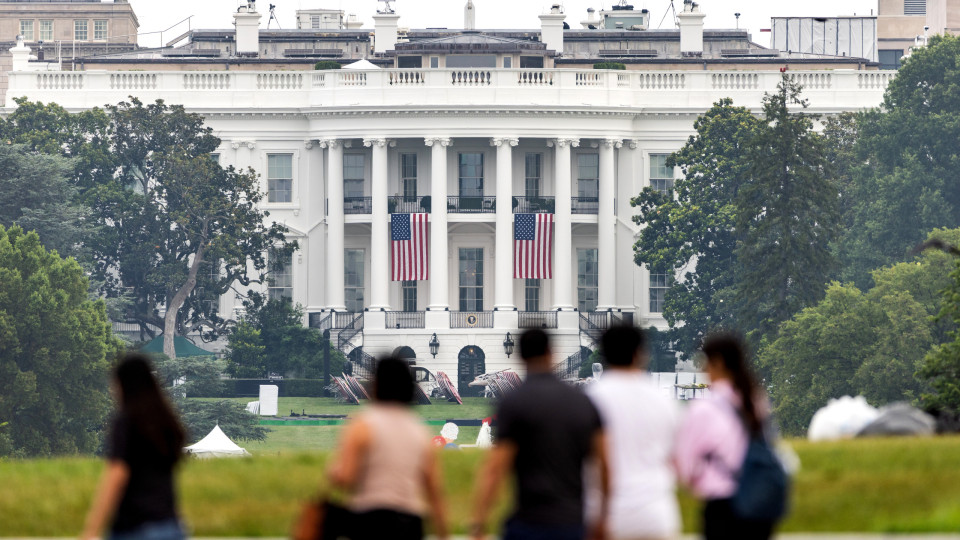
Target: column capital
x,y
379,141
500,141
329,143
633,143
249,144
442,141
612,143
308,143
561,142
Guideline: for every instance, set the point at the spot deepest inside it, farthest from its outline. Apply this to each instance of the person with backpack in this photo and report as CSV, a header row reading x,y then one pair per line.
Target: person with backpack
x,y
724,453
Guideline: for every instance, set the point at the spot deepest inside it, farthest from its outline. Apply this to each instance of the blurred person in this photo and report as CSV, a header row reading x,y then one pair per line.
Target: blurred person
x,y
714,437
641,426
136,493
546,430
388,463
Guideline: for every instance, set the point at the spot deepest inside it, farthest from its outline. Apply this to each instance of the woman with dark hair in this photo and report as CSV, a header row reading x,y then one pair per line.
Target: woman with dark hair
x,y
714,436
136,493
389,464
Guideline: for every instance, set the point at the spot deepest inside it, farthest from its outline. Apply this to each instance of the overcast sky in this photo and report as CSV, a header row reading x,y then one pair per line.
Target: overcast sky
x,y
157,15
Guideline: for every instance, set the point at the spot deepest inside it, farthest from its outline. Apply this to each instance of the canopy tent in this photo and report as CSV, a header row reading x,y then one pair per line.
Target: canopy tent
x,y
216,444
181,344
361,64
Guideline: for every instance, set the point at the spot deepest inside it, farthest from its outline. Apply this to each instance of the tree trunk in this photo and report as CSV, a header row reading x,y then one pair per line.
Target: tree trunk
x,y
170,318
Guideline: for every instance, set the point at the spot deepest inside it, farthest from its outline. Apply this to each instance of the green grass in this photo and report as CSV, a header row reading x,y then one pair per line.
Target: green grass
x,y
473,408
887,485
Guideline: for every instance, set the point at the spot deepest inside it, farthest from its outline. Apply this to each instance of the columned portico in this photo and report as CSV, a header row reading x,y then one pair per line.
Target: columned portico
x,y
607,227
503,276
334,268
379,230
438,224
563,252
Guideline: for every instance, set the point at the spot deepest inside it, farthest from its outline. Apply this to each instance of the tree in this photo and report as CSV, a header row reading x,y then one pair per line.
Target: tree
x,y
786,216
245,352
692,231
55,351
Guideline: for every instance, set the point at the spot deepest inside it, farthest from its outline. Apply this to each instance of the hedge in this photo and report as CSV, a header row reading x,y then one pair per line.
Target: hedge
x,y
233,388
327,64
609,65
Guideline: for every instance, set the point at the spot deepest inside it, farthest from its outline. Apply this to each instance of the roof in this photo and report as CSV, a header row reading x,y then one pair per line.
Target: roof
x,y
181,345
216,444
469,41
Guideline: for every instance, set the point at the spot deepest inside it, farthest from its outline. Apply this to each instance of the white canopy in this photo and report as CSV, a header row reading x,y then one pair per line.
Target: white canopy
x,y
361,64
216,444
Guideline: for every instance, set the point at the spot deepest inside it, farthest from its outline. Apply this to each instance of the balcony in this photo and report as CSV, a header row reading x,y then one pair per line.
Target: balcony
x,y
403,204
534,205
471,319
585,205
405,319
358,205
472,205
537,319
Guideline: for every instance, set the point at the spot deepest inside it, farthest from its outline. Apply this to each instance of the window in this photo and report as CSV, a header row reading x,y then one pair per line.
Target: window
x,y
353,279
215,157
410,62
206,285
26,30
661,176
471,279
659,283
533,173
587,279
100,30
279,178
353,175
890,59
409,290
315,22
280,283
434,62
531,62
914,7
80,30
507,62
46,30
471,175
408,174
588,176
471,60
531,294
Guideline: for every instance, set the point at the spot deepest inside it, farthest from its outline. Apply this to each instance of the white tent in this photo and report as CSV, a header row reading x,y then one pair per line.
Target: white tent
x,y
216,444
361,64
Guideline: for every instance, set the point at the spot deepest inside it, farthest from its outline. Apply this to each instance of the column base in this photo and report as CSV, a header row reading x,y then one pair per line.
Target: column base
x,y
379,308
340,308
438,308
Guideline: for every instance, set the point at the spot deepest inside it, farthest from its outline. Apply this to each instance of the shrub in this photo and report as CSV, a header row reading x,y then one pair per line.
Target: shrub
x,y
327,64
610,65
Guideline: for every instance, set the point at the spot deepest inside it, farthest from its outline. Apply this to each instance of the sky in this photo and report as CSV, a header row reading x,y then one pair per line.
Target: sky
x,y
155,15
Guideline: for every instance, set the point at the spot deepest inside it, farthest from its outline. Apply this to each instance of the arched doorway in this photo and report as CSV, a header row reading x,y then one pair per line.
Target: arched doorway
x,y
470,364
405,353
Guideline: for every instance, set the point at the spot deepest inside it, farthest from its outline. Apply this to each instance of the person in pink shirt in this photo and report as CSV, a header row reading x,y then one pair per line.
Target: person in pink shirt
x,y
713,437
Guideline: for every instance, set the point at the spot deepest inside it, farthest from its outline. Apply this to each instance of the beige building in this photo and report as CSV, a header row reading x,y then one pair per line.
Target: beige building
x,y
901,24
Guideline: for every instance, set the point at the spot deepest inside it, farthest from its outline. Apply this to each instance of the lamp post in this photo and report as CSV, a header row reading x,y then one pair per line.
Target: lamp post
x,y
434,345
508,345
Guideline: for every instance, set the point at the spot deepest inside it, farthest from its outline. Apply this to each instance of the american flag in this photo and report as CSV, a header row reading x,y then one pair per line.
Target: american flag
x,y
532,246
409,243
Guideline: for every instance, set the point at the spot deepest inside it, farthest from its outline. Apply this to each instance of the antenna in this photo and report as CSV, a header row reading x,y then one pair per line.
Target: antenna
x,y
387,8
273,17
669,9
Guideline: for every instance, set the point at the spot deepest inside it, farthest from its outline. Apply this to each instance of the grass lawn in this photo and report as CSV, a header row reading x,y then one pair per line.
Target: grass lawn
x,y
879,485
472,408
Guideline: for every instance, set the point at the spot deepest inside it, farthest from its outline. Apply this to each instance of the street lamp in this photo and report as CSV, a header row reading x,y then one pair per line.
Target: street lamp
x,y
434,345
508,345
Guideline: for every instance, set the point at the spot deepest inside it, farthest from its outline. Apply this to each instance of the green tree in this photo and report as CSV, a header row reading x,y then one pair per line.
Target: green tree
x,y
786,216
692,232
245,352
55,351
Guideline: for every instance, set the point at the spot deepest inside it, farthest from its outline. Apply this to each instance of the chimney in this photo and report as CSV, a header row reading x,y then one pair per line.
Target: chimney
x,y
353,22
551,28
21,56
691,29
247,22
591,20
385,24
469,16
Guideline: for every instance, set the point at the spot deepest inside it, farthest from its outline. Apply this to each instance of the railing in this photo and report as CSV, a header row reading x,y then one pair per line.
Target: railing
x,y
362,364
350,331
346,320
358,205
471,319
569,368
537,319
406,319
585,205
403,204
472,205
534,205
594,323
321,321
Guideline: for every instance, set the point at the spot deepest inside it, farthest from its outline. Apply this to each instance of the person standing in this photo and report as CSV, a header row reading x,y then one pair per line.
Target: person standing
x,y
389,463
546,431
136,493
641,426
714,436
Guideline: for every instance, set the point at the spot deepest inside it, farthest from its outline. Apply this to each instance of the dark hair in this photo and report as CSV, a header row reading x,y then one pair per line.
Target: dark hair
x,y
393,381
730,349
620,343
144,406
534,343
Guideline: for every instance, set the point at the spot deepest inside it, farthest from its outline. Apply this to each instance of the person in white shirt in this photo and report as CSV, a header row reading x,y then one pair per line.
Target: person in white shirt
x,y
641,425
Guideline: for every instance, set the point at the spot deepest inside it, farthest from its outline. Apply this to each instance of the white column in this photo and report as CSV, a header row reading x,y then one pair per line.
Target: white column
x,y
563,237
379,230
607,227
438,224
503,274
334,297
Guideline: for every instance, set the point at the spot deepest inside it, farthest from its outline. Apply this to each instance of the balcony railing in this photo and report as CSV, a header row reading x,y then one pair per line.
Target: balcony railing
x,y
404,204
405,319
358,205
471,205
471,319
534,205
538,319
585,205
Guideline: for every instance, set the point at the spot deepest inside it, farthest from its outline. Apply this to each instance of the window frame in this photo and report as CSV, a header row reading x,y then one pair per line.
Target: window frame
x,y
592,181
271,180
507,62
42,34
96,31
533,183
664,180
587,288
283,275
350,301
468,302
531,294
461,177
24,24
660,283
77,29
408,184
351,181
408,295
